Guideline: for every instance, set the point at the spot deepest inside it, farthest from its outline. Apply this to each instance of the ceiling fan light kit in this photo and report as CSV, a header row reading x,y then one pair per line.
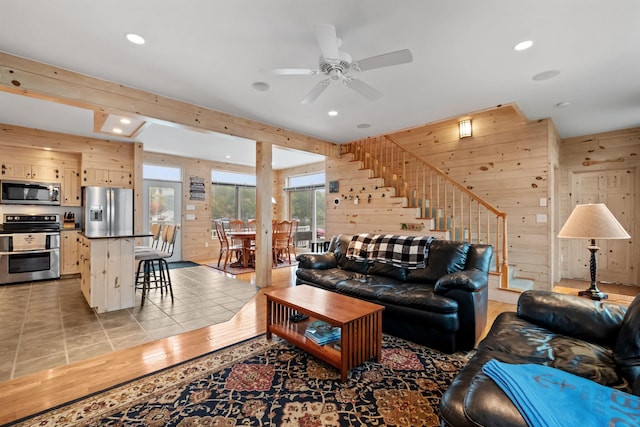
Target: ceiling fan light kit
x,y
337,65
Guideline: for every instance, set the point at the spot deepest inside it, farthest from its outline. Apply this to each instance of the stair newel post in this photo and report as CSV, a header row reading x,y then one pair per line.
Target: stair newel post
x,y
381,157
453,212
445,210
424,194
393,168
430,215
437,203
488,239
470,220
461,217
478,221
404,174
505,256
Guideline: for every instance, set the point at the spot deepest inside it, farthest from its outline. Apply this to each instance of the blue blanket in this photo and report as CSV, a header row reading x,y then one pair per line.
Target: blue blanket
x,y
551,397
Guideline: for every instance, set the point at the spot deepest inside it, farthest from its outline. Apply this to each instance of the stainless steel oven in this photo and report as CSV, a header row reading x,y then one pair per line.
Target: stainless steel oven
x,y
29,248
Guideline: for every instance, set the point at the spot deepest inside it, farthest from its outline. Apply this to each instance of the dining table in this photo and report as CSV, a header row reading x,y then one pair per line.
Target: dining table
x,y
247,236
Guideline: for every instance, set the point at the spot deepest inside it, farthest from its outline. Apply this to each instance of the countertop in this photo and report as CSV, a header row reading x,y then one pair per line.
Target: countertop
x,y
135,235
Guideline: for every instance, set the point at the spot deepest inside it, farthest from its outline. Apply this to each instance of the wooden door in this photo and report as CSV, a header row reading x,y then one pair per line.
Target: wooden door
x,y
616,260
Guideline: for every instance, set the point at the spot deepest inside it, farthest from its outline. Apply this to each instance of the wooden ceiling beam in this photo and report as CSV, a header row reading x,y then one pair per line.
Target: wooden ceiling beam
x,y
30,78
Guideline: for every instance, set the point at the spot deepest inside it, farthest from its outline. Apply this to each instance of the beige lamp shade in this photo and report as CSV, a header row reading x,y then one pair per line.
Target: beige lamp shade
x,y
593,221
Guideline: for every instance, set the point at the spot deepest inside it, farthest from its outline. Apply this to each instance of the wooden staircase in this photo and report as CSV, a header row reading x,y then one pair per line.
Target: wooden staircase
x,y
437,199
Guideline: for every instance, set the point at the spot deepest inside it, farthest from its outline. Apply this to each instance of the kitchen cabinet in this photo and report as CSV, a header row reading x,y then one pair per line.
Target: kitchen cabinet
x,y
29,171
108,177
71,195
70,252
107,269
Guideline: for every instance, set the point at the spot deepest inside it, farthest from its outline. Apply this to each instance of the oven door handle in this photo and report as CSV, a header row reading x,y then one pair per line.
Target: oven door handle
x,y
31,251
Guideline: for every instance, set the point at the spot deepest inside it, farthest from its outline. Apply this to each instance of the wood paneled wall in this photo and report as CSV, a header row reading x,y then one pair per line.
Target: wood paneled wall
x,y
506,162
617,150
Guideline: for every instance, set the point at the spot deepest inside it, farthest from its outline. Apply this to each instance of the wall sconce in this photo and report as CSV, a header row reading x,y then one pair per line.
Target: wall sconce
x,y
465,128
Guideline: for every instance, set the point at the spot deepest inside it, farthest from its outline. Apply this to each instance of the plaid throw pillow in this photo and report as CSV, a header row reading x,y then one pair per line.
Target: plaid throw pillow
x,y
358,249
401,251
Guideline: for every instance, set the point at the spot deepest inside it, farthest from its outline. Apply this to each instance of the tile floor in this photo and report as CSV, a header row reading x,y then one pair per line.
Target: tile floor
x,y
48,324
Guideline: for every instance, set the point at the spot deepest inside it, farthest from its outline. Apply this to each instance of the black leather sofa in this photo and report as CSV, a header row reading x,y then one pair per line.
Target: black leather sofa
x,y
443,306
596,340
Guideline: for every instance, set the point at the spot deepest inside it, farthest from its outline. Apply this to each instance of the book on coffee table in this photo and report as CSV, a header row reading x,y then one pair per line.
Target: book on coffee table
x,y
322,332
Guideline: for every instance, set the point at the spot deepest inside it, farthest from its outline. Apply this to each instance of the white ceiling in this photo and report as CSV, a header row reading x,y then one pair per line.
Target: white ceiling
x,y
210,52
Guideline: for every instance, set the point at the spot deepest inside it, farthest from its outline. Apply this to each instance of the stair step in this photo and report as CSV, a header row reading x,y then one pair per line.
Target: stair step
x,y
520,284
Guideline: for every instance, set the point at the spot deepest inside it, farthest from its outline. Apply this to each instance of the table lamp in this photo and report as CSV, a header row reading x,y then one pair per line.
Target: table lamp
x,y
593,221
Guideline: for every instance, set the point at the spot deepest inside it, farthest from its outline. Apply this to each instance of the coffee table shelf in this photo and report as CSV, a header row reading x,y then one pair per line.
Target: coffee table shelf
x,y
360,323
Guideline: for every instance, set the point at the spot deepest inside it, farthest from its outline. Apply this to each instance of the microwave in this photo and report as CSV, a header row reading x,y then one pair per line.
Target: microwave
x,y
29,193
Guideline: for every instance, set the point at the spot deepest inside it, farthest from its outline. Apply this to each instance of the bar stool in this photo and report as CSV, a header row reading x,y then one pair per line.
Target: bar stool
x,y
147,277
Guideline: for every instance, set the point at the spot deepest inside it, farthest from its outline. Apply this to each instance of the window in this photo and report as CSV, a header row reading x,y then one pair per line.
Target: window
x,y
162,173
233,195
307,202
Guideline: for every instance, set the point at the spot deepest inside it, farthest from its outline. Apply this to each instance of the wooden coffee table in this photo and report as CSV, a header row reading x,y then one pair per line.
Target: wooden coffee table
x,y
360,321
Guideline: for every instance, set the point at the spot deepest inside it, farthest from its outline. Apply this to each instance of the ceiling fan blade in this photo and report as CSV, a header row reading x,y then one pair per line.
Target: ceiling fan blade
x,y
326,36
385,60
316,91
362,88
291,71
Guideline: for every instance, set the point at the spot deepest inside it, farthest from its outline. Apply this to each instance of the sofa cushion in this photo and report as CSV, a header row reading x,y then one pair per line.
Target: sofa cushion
x,y
444,257
419,296
327,279
379,269
366,287
627,347
526,342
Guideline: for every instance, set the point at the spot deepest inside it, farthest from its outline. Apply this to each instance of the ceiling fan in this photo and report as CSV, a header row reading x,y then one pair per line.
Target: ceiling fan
x,y
337,65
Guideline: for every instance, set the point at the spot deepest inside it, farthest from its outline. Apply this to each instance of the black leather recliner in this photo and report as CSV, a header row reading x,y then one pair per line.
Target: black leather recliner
x,y
443,306
596,340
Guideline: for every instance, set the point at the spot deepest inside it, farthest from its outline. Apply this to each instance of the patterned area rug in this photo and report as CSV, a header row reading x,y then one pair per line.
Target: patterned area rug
x,y
272,383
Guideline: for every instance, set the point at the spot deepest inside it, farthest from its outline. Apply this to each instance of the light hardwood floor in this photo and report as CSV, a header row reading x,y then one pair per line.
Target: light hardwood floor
x,y
43,390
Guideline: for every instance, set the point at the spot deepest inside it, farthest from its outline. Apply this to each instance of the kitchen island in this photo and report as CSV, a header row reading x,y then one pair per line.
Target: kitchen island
x,y
107,267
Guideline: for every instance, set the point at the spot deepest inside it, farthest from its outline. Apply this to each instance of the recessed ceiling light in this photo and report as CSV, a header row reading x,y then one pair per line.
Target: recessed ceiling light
x,y
125,121
563,104
227,156
117,130
363,126
546,75
523,45
135,38
333,113
261,86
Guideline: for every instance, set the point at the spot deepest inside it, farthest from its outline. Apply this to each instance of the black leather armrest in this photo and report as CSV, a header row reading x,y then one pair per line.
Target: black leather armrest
x,y
323,261
594,321
471,280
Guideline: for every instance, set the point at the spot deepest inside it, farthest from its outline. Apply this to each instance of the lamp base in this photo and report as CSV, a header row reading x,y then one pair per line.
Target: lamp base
x,y
594,293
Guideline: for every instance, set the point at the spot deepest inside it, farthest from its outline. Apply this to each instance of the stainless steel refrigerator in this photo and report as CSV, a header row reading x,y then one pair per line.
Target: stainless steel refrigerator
x,y
107,211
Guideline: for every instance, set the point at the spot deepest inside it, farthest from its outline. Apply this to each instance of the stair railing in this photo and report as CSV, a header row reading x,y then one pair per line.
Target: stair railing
x,y
450,205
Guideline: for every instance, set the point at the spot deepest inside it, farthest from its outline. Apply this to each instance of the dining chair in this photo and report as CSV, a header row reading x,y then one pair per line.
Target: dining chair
x,y
280,241
226,248
236,225
251,224
293,236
